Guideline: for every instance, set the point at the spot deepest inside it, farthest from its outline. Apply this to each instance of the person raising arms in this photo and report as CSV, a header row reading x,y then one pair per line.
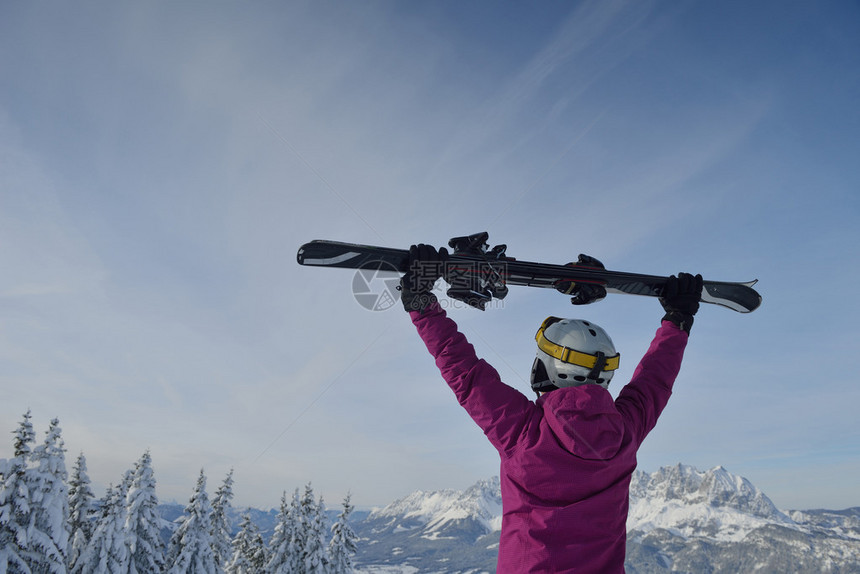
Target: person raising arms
x,y
567,457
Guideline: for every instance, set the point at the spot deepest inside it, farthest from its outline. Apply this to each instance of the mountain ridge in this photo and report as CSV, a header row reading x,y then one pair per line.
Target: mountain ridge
x,y
681,519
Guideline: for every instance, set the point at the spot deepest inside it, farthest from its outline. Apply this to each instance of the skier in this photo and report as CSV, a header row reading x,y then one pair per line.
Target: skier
x,y
566,458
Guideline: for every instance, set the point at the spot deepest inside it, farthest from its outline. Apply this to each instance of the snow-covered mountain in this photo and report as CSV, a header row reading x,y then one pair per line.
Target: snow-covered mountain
x,y
681,520
439,531
441,513
688,502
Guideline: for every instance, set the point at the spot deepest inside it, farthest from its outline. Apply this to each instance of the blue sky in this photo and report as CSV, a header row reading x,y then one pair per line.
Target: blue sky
x,y
161,163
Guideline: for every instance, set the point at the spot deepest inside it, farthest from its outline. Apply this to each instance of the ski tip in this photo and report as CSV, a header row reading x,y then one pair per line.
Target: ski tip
x,y
757,303
740,297
754,301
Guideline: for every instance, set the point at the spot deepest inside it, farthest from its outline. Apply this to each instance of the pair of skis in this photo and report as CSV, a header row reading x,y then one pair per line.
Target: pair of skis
x,y
477,273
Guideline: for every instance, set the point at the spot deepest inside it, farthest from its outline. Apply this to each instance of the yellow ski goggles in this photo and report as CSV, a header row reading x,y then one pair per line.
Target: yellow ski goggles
x,y
572,356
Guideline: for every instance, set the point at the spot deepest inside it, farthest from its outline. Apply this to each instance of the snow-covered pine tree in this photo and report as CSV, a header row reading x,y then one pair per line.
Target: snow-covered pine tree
x,y
314,552
283,558
343,544
145,546
222,537
257,550
107,551
49,536
80,511
190,549
249,550
15,500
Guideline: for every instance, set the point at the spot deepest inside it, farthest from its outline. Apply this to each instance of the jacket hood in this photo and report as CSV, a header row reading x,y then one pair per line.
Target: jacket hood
x,y
585,421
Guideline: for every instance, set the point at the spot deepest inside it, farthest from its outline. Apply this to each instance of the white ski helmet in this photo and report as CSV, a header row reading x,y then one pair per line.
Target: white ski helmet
x,y
572,352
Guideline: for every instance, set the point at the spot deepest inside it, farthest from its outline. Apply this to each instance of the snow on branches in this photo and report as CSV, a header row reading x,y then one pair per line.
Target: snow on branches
x,y
51,523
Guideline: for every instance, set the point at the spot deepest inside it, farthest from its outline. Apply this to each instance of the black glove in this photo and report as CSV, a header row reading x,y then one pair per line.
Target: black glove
x,y
680,299
583,293
426,265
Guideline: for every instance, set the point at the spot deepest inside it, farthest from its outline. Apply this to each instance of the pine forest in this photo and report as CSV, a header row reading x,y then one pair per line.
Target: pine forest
x,y
52,523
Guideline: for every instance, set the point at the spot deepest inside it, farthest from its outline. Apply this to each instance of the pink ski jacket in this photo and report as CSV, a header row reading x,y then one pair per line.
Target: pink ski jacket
x,y
567,459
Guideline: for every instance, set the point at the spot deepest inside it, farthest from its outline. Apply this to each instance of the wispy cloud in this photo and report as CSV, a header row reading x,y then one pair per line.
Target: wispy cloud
x,y
159,169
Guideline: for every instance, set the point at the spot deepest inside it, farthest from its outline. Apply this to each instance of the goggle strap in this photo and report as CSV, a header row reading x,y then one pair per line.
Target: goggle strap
x,y
598,366
572,356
